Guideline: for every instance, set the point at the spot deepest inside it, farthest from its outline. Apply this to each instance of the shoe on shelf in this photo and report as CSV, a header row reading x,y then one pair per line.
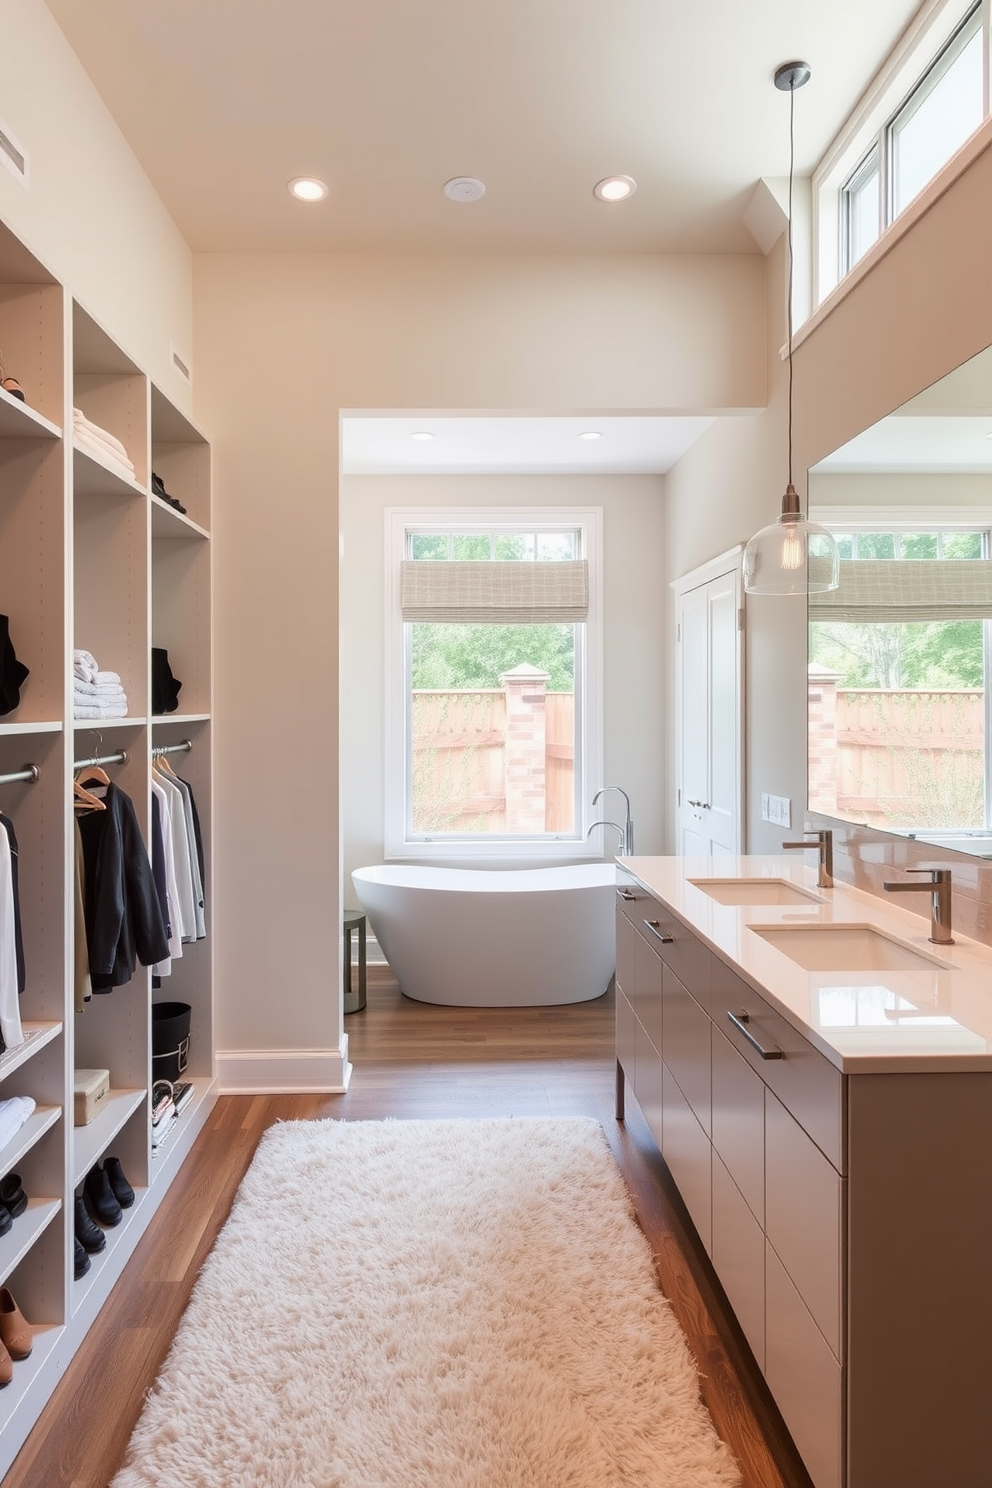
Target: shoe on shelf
x,y
15,1333
96,1186
88,1235
13,387
80,1260
12,1196
6,1367
121,1189
6,1219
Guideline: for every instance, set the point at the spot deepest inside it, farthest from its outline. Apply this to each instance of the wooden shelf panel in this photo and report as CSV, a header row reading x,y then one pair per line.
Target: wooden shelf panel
x,y
36,726
24,1139
92,476
169,426
36,1036
91,1141
25,1230
97,725
47,1337
20,421
171,525
121,1239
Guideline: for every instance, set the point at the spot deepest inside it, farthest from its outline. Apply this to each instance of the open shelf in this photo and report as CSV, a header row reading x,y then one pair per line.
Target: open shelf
x,y
25,1230
47,1337
167,523
121,1238
97,725
36,1036
27,726
25,1137
94,476
20,421
91,1141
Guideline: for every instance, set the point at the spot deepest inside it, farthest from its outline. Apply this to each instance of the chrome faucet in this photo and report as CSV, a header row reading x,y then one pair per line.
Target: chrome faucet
x,y
616,827
938,887
627,830
825,843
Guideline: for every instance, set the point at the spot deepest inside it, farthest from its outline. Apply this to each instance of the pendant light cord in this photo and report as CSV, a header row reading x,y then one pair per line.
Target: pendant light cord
x,y
792,165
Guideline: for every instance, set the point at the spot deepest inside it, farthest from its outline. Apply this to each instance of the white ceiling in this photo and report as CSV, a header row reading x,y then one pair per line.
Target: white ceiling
x,y
374,445
225,100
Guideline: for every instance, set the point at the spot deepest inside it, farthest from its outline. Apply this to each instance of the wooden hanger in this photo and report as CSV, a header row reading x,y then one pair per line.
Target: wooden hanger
x,y
89,775
83,799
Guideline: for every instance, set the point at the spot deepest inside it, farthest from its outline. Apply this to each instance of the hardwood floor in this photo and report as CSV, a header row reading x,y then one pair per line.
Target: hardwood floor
x,y
410,1060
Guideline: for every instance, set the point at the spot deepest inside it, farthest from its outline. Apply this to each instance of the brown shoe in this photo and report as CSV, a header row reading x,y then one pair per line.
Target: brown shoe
x,y
15,1334
6,1367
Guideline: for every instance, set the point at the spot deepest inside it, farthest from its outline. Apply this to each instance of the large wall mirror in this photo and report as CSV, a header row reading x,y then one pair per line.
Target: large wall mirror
x,y
900,655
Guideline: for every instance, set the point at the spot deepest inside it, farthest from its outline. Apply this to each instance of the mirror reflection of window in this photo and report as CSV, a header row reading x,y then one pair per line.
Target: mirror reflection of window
x,y
898,724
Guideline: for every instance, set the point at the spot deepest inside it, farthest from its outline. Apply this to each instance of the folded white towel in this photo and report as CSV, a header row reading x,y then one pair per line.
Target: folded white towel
x,y
96,690
13,1114
96,447
99,708
81,424
85,665
109,677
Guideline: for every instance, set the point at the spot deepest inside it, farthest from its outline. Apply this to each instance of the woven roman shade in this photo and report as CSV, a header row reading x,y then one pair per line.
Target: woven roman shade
x,y
494,593
900,590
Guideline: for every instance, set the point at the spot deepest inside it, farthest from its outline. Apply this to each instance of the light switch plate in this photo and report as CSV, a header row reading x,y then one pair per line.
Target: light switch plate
x,y
776,809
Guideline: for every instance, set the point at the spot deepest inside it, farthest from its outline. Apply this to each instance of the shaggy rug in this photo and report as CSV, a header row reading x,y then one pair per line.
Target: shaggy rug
x,y
428,1304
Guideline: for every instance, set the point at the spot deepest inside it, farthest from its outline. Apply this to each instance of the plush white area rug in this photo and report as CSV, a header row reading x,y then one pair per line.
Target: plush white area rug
x,y
429,1304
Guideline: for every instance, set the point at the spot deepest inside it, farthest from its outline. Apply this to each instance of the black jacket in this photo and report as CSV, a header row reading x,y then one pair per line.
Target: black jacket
x,y
121,906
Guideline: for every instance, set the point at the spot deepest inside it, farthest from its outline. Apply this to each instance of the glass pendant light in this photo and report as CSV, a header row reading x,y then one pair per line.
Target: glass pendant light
x,y
792,555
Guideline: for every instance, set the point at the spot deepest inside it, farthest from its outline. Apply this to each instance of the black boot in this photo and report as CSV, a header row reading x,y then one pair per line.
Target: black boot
x,y
101,1196
122,1190
80,1260
89,1235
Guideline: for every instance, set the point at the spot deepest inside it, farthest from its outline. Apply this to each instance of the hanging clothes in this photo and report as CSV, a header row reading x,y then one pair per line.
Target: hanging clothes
x,y
81,984
166,844
124,923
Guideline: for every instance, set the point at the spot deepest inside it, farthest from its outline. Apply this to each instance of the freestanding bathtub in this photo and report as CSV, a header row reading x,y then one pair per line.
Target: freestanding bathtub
x,y
473,937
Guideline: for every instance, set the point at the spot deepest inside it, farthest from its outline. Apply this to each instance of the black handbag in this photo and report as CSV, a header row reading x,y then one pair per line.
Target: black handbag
x,y
12,671
165,687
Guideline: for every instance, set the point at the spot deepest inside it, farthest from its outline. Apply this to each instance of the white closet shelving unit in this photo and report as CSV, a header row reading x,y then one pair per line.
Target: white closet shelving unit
x,y
90,558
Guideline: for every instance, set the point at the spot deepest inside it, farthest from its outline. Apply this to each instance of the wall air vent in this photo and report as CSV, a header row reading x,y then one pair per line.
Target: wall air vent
x,y
12,155
181,364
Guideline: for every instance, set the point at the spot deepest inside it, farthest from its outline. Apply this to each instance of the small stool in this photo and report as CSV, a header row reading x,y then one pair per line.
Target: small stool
x,y
354,1000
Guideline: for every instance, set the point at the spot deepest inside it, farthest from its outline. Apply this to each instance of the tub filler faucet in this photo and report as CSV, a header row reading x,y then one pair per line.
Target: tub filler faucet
x,y
627,830
616,827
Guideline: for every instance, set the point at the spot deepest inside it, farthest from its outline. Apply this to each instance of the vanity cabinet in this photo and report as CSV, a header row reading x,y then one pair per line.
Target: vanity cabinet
x,y
847,1216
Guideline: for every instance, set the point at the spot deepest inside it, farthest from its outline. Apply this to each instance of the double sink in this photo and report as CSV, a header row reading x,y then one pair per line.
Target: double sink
x,y
818,946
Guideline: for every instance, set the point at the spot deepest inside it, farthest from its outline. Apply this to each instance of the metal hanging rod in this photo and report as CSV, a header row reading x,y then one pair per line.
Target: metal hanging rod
x,y
120,758
29,772
184,748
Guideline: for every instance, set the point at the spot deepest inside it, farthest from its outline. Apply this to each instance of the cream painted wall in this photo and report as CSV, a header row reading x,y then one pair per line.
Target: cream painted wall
x,y
921,310
633,611
916,488
89,212
282,345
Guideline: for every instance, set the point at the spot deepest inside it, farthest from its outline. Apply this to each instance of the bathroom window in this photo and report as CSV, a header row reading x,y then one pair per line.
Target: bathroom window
x,y
492,712
928,99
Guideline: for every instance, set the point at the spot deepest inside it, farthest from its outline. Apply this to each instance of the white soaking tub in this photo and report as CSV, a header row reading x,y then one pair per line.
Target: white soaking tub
x,y
473,937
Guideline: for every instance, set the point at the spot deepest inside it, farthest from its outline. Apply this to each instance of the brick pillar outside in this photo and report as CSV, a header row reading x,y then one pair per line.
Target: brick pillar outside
x,y
822,761
526,747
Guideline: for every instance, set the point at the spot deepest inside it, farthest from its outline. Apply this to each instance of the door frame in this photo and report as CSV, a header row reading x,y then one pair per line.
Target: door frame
x,y
715,568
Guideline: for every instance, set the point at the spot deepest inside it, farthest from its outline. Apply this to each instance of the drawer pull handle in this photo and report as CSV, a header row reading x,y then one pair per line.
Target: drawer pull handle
x,y
739,1023
655,927
626,894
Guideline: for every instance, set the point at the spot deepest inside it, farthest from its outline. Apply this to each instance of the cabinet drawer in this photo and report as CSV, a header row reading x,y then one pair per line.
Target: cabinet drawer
x,y
687,956
804,1216
648,1085
739,1122
803,1079
688,1153
739,1258
626,945
804,1377
686,1046
647,999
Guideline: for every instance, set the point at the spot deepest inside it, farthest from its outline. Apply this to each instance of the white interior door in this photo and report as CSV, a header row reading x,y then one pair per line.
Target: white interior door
x,y
710,707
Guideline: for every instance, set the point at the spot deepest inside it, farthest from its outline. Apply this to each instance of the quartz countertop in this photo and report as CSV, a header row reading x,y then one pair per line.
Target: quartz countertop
x,y
934,1018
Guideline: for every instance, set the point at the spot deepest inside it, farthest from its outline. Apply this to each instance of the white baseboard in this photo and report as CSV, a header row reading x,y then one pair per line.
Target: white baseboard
x,y
284,1071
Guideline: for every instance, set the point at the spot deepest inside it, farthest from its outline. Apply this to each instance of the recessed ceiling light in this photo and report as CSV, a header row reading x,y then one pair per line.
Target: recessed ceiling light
x,y
590,434
307,188
615,188
422,434
464,189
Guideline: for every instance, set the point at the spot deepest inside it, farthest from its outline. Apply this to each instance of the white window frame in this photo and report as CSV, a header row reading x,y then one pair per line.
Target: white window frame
x,y
504,851
894,88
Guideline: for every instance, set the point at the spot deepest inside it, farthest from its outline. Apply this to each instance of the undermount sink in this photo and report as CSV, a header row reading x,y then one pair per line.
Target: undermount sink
x,y
755,891
849,948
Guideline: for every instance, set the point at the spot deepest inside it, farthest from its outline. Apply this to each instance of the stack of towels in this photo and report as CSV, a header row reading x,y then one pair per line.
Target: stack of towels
x,y
96,694
98,442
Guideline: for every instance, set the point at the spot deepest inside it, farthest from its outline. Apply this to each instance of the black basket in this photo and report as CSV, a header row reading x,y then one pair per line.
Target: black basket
x,y
170,1039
